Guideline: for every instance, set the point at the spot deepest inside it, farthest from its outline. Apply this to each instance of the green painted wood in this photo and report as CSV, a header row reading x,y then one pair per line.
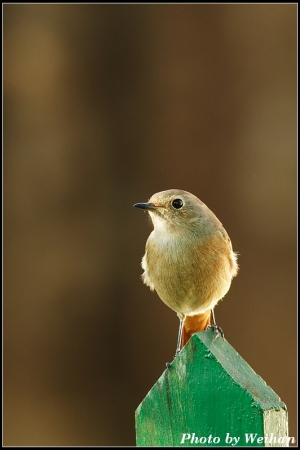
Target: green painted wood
x,y
210,396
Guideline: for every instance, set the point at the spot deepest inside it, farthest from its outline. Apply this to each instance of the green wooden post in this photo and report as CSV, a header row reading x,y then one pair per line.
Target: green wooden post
x,y
210,396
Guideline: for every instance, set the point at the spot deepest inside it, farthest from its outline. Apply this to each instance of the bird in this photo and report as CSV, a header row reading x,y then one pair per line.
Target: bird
x,y
188,260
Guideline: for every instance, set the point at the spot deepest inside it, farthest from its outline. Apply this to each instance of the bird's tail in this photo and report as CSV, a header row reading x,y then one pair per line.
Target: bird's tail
x,y
194,324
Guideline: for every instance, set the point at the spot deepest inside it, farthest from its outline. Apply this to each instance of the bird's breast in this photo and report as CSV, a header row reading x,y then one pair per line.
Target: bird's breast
x,y
189,274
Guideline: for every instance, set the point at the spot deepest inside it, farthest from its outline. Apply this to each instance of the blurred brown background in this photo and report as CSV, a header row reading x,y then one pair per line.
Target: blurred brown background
x,y
103,106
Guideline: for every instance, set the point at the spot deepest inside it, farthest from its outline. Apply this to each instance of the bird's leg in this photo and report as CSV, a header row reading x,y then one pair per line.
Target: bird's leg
x,y
217,330
181,319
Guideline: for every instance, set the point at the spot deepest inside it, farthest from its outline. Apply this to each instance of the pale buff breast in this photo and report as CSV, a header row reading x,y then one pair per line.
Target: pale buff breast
x,y
189,278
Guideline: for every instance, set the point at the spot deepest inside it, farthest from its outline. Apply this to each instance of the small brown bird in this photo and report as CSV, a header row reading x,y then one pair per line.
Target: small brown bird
x,y
188,260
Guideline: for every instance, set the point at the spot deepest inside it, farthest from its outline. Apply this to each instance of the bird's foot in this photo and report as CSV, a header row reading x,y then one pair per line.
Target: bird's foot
x,y
218,332
176,354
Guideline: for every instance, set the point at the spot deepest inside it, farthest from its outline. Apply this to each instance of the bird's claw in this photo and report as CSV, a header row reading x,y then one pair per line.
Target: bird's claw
x,y
217,331
176,354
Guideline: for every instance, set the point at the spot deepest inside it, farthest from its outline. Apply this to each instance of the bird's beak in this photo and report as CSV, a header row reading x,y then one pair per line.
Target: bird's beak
x,y
145,205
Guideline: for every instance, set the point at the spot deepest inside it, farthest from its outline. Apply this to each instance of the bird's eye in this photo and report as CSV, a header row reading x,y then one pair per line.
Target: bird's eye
x,y
177,203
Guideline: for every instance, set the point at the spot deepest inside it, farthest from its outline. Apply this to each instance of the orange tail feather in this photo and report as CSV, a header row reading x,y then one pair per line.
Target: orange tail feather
x,y
194,324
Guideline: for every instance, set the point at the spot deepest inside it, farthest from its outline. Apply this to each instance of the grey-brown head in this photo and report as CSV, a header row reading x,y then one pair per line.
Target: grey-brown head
x,y
180,210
